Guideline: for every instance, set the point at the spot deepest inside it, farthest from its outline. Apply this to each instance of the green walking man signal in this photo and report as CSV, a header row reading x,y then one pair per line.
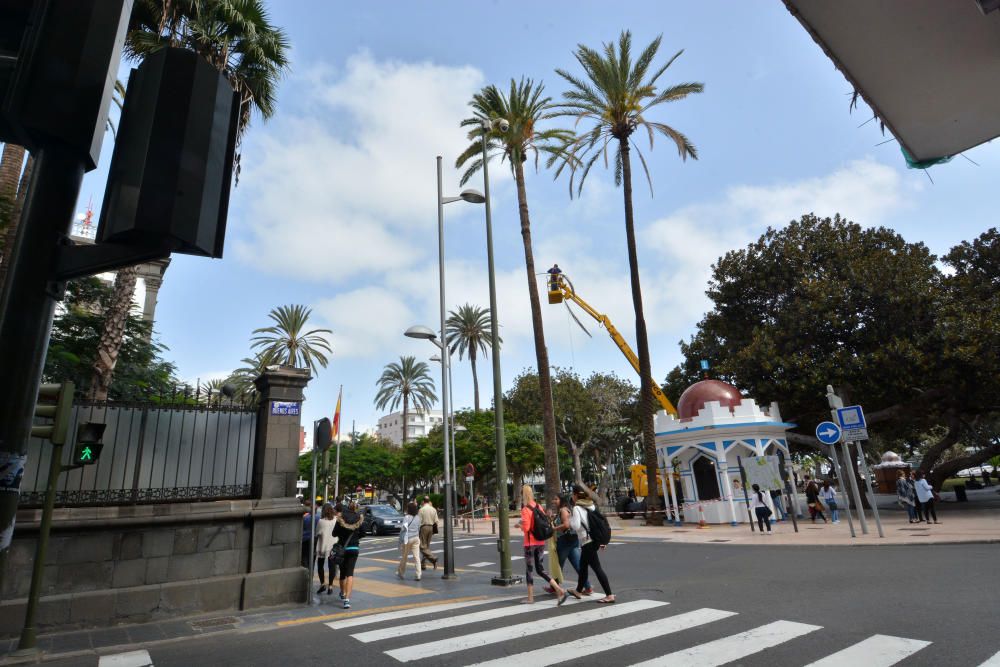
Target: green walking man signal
x,y
88,445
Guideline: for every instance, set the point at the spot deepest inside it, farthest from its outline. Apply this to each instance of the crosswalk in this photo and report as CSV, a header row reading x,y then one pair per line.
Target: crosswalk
x,y
495,632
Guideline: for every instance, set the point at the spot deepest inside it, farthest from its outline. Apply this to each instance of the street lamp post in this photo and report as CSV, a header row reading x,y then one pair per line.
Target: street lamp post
x,y
506,577
451,403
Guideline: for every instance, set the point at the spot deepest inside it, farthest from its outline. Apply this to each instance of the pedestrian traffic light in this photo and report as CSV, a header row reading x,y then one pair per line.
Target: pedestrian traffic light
x,y
88,445
55,402
322,435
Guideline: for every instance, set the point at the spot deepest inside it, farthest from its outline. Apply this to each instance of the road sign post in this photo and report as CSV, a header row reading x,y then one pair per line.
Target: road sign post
x,y
830,434
871,491
854,419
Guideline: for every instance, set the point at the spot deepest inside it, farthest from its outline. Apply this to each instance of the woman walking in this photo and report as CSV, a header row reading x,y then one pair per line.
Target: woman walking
x,y
906,495
409,541
567,542
760,509
812,499
533,547
580,522
348,531
925,494
324,544
828,497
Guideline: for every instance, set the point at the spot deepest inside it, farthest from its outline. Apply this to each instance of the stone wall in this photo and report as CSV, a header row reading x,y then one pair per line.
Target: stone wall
x,y
132,564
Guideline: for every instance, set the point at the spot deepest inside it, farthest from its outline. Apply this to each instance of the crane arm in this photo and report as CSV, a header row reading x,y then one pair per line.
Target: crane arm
x,y
559,285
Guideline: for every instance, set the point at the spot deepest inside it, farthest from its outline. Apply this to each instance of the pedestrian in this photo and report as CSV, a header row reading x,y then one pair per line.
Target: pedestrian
x,y
583,509
917,506
567,542
534,545
925,494
409,541
428,526
812,500
760,509
778,503
906,495
829,498
348,531
308,519
324,544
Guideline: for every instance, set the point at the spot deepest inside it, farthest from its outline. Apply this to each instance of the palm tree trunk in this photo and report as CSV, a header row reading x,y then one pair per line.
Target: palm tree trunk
x,y
12,194
552,484
10,170
406,414
646,399
110,344
475,379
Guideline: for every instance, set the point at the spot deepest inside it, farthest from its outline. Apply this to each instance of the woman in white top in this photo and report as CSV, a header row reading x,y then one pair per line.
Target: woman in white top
x,y
579,521
829,498
409,541
925,494
324,544
760,508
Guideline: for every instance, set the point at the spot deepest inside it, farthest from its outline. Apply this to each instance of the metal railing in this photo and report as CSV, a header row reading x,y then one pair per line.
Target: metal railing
x,y
153,452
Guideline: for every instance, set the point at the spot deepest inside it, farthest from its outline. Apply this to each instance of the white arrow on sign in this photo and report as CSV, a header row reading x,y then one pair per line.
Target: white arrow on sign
x,y
828,433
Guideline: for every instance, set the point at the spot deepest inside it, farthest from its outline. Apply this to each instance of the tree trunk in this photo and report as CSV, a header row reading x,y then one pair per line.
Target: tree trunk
x,y
406,414
110,345
646,409
552,484
475,379
16,204
603,483
10,170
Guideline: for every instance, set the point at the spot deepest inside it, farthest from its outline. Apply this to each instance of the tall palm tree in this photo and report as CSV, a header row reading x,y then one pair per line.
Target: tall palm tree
x,y
12,194
243,377
235,36
468,329
401,382
286,342
614,97
525,108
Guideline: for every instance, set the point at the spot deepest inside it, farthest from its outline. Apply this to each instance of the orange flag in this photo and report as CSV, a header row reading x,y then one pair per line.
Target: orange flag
x,y
336,416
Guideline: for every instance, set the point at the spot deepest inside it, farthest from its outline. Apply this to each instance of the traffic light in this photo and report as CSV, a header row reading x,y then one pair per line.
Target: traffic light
x,y
88,445
57,406
322,435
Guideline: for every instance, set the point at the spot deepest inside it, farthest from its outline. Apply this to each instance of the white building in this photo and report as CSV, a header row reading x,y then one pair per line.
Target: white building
x,y
420,424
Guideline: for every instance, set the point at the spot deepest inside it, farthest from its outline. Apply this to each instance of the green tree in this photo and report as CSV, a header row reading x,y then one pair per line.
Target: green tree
x,y
243,377
525,108
614,96
468,330
402,382
287,342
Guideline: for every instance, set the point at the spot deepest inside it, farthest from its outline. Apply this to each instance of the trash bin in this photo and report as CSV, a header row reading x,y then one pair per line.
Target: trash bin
x,y
960,495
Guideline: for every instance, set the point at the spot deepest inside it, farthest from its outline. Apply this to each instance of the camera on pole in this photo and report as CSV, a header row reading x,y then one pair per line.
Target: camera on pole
x,y
57,406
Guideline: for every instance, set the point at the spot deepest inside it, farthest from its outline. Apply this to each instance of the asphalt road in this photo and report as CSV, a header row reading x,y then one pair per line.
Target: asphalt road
x,y
819,600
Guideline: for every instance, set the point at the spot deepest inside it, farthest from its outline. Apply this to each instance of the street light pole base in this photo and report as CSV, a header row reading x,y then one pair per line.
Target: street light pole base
x,y
449,577
507,581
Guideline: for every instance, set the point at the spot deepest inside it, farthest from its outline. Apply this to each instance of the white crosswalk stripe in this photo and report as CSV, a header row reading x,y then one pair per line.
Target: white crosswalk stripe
x,y
130,659
492,626
404,614
876,651
509,632
992,662
584,646
733,647
482,564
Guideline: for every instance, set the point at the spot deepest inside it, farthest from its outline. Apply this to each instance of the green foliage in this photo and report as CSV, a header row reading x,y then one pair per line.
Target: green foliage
x,y
404,381
368,461
141,371
287,343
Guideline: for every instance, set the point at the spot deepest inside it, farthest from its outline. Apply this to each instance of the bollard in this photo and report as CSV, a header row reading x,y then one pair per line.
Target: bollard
x,y
494,523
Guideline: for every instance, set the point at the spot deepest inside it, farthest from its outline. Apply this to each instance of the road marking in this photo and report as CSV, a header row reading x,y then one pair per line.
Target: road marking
x,y
386,590
733,647
551,624
483,564
396,549
466,546
368,613
368,568
517,557
585,646
130,659
407,611
992,662
475,617
876,651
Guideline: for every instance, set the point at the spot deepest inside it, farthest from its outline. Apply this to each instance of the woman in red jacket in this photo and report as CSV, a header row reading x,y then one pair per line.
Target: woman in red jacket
x,y
534,548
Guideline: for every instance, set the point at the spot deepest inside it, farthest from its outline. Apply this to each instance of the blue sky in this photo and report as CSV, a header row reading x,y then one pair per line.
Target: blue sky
x,y
336,205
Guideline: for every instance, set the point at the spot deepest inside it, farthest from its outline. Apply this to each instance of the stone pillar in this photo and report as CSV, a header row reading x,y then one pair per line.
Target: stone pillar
x,y
276,453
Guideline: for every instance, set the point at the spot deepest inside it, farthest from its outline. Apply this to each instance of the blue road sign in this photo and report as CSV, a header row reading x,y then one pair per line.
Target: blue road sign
x,y
828,433
851,418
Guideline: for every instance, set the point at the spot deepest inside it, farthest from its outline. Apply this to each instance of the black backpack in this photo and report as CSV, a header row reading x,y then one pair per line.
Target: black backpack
x,y
541,527
598,527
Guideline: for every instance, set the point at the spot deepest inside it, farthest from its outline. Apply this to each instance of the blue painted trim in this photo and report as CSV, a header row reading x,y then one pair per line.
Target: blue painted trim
x,y
786,425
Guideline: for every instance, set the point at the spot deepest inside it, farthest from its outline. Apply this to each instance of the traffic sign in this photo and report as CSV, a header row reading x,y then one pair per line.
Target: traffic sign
x,y
852,422
470,470
828,433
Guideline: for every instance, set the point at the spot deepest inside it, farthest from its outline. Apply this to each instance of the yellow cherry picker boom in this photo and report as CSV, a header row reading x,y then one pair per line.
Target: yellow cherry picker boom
x,y
561,289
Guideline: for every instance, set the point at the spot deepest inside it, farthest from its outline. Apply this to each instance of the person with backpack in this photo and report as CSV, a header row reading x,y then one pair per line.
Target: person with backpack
x,y
760,509
348,533
537,528
594,533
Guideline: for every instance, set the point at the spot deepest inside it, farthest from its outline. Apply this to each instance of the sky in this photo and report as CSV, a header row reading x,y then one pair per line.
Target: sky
x,y
335,207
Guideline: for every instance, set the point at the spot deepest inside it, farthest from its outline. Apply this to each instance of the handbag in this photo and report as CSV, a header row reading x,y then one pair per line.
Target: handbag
x,y
434,530
337,554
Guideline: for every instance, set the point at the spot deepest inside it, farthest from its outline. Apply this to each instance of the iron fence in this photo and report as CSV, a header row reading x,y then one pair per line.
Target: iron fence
x,y
153,452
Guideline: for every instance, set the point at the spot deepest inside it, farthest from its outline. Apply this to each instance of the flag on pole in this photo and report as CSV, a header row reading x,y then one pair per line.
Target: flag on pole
x,y
336,416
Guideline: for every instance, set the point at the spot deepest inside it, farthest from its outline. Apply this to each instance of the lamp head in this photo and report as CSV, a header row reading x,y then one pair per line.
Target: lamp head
x,y
472,196
420,331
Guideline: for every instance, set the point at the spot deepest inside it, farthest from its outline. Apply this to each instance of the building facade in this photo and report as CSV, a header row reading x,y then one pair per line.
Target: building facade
x,y
390,427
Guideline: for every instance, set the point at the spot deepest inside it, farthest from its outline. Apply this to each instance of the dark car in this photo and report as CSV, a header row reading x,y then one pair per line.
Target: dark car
x,y
381,519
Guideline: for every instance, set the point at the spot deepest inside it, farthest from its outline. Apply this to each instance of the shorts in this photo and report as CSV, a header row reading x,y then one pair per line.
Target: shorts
x,y
347,567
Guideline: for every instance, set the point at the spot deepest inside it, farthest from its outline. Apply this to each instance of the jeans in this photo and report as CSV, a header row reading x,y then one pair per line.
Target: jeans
x,y
570,548
911,511
834,514
779,506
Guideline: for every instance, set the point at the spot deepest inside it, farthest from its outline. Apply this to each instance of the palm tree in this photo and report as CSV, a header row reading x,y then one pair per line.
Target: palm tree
x,y
287,343
243,378
401,382
525,108
469,330
615,96
235,36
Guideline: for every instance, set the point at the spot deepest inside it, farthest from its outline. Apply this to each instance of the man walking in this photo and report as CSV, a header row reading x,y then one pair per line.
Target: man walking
x,y
428,525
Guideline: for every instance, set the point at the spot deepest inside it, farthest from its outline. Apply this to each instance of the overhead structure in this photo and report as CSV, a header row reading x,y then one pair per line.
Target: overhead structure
x,y
927,68
560,289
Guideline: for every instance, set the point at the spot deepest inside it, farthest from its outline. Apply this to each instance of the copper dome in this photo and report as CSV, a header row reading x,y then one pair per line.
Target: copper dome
x,y
697,395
